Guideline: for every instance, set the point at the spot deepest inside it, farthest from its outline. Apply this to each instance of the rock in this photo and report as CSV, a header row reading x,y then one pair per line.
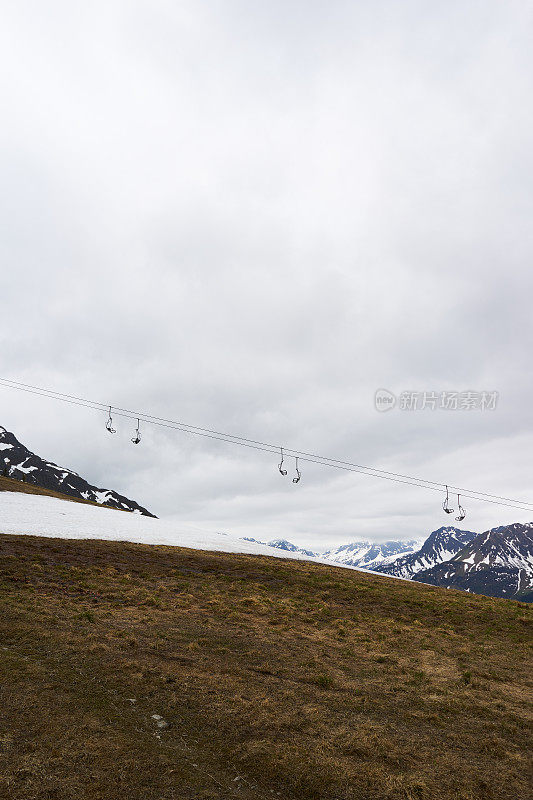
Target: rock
x,y
160,722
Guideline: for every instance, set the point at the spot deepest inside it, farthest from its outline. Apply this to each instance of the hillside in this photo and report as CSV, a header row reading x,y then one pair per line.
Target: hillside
x,y
160,673
16,461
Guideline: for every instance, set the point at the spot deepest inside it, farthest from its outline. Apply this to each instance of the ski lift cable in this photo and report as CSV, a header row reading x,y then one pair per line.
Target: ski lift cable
x,y
264,446
238,439
274,449
348,469
230,437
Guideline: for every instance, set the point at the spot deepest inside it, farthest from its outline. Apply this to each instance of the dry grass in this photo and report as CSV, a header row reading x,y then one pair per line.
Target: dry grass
x,y
277,678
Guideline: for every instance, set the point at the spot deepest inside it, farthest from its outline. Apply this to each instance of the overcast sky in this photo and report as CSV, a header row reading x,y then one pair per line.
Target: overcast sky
x,y
250,216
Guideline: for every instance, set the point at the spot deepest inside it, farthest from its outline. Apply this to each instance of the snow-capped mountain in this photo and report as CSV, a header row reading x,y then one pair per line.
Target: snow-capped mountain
x,y
283,544
16,461
441,545
369,555
498,563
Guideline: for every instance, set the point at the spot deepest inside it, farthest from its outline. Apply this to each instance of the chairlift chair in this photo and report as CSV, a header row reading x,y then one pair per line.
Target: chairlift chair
x,y
109,423
298,474
461,512
137,438
446,505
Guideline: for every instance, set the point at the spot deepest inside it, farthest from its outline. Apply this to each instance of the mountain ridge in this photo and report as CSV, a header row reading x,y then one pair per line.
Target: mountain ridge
x,y
498,562
441,545
368,555
17,461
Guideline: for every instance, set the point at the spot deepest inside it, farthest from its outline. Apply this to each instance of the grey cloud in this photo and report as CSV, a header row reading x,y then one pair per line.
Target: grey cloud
x,y
250,217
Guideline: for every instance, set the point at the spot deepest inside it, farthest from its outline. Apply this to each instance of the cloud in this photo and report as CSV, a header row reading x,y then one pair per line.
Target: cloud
x,y
250,218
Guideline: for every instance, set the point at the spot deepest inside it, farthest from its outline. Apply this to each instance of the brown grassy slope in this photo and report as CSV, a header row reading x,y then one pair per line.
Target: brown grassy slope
x,y
277,678
13,485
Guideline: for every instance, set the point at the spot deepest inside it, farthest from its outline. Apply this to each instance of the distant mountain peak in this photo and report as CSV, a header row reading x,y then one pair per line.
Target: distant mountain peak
x,y
283,544
498,562
369,555
16,461
441,545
